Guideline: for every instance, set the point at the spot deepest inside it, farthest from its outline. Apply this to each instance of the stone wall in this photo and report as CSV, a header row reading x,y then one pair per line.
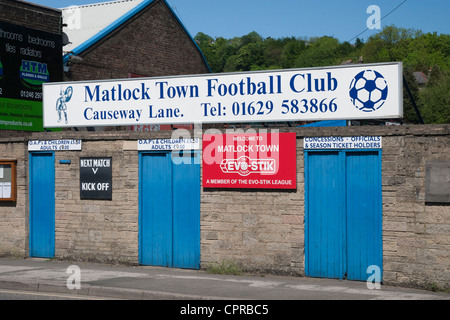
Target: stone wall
x,y
14,216
97,230
416,235
261,230
264,231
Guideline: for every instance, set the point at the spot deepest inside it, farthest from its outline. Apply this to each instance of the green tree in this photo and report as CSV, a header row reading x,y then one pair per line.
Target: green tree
x,y
224,49
272,53
435,98
250,54
409,113
322,52
359,43
206,44
390,44
292,49
418,51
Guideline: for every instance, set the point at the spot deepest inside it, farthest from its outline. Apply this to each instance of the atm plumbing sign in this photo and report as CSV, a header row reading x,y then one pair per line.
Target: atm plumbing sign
x,y
341,92
28,58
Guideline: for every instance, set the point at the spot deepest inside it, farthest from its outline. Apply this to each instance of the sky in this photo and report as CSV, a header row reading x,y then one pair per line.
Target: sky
x,y
343,19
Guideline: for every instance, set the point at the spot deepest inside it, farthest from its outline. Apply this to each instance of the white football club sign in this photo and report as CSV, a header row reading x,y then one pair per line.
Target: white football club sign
x,y
363,91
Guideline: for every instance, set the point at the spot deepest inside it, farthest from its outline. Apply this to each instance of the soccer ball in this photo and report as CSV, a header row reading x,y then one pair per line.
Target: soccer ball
x,y
368,90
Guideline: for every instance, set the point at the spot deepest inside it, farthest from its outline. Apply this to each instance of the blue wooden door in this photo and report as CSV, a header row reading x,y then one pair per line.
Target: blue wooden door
x,y
324,221
364,240
155,218
169,211
42,204
186,213
343,213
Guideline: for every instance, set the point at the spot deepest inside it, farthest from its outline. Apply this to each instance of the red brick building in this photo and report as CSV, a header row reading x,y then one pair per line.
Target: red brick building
x,y
31,15
127,39
147,39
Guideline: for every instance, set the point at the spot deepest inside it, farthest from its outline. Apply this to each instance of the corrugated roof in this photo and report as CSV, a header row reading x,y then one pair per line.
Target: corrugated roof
x,y
87,24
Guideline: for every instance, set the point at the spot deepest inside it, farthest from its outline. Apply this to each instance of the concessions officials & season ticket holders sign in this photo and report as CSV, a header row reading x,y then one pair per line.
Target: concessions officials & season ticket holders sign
x,y
263,160
357,142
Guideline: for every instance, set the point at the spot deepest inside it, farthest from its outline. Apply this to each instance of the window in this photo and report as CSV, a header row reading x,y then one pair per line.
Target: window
x,y
8,183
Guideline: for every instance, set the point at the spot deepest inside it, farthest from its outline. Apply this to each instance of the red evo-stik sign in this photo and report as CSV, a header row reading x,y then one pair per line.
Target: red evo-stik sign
x,y
250,160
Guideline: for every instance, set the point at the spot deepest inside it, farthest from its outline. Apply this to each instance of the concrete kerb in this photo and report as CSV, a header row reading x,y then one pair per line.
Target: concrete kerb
x,y
12,285
101,291
155,283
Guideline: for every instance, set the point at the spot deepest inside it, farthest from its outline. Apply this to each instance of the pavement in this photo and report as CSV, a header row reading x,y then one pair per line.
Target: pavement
x,y
158,283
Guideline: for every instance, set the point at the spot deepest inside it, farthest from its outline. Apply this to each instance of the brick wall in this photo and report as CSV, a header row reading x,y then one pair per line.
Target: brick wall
x,y
262,231
31,15
151,44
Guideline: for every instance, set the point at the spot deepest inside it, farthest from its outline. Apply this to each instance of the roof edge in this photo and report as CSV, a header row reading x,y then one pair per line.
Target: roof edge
x,y
189,35
39,6
103,33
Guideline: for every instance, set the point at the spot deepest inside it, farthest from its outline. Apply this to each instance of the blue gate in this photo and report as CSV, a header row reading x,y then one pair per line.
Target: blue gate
x,y
325,215
169,211
42,204
364,213
343,213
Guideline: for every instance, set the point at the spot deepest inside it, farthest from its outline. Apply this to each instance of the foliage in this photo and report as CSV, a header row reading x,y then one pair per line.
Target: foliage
x,y
226,267
437,97
424,52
